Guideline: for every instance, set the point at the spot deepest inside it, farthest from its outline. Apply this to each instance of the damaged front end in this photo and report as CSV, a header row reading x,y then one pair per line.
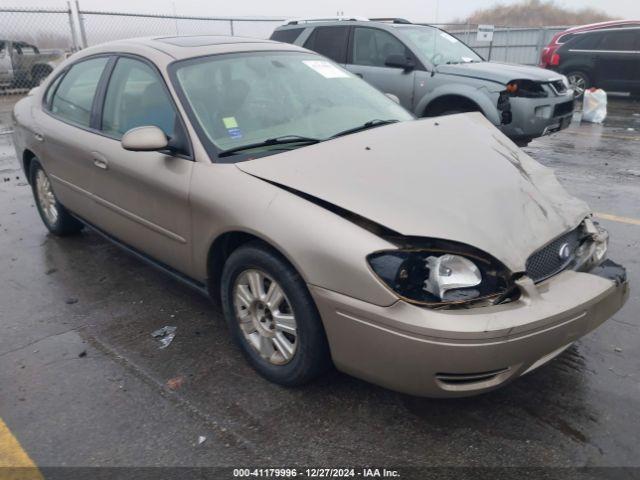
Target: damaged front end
x,y
518,88
443,274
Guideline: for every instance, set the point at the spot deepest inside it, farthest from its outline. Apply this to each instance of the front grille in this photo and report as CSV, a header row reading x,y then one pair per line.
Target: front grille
x,y
548,260
562,109
559,87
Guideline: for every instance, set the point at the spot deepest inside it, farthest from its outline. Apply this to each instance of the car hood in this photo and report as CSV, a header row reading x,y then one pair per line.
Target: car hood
x,y
455,177
499,72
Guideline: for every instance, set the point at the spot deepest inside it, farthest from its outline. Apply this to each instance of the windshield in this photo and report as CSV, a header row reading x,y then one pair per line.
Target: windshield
x,y
245,99
440,47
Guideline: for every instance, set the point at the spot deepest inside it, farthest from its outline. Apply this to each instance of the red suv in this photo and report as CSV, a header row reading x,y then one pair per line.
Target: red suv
x,y
548,57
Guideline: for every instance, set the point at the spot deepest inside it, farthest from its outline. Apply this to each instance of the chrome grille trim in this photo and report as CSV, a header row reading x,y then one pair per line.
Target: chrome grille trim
x,y
558,87
547,261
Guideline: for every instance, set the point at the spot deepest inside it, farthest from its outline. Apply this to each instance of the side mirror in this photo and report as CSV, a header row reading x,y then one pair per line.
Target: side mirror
x,y
393,97
144,139
400,61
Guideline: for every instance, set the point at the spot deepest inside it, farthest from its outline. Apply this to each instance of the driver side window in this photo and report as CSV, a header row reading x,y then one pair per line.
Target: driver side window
x,y
372,46
136,97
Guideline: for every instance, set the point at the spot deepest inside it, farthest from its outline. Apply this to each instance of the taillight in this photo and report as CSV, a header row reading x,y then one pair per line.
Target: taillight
x,y
555,59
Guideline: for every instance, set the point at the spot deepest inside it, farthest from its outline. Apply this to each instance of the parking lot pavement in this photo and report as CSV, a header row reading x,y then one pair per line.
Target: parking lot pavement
x,y
82,382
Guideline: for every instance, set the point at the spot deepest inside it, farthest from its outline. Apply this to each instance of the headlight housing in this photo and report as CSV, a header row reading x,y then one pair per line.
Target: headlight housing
x,y
593,247
526,88
454,274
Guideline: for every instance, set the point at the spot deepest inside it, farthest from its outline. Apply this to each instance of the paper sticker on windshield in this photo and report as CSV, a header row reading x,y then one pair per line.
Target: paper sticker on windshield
x,y
451,38
231,124
326,69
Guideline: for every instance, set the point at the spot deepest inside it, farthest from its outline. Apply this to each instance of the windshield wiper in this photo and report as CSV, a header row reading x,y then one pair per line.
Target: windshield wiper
x,y
282,140
364,126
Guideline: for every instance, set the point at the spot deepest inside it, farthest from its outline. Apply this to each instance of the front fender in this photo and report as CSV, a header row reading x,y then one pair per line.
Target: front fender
x,y
480,96
325,249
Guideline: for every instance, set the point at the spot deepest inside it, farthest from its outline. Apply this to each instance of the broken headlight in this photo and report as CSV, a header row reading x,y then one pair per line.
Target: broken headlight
x,y
526,88
593,249
435,277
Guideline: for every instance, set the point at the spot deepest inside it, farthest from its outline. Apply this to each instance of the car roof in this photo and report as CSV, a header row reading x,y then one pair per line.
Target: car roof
x,y
188,46
364,23
600,25
601,31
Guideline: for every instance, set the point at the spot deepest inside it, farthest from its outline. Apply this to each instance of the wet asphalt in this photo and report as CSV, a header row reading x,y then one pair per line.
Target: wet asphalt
x,y
83,383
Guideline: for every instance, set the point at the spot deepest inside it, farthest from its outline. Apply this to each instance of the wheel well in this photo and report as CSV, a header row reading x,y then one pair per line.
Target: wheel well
x,y
450,102
27,158
219,252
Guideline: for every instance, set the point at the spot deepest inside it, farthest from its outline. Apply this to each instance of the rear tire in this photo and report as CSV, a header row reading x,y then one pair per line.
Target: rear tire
x,y
55,217
279,331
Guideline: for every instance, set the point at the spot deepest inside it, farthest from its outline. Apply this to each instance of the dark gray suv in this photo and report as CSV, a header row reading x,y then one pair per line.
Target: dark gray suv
x,y
433,73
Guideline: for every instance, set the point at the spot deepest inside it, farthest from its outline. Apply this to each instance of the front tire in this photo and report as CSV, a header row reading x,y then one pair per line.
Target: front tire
x,y
272,316
54,216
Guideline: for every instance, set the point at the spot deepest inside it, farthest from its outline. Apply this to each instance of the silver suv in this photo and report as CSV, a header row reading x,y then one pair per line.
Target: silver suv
x,y
433,73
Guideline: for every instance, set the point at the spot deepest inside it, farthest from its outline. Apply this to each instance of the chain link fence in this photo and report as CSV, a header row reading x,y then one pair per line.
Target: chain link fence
x,y
34,40
100,27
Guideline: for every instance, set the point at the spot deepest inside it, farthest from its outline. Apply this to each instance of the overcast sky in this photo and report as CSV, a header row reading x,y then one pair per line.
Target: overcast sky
x,y
416,10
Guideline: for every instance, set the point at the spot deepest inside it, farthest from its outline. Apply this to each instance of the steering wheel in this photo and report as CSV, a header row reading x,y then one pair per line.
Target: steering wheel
x,y
437,58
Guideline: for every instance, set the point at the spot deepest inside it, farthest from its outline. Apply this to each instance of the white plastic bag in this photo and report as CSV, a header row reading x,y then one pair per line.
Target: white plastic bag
x,y
594,106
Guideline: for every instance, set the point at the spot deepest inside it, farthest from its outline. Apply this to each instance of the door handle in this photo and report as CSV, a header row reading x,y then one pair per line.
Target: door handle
x,y
38,136
100,161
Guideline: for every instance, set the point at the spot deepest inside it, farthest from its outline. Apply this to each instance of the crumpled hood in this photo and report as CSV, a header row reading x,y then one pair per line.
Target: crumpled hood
x,y
454,177
499,72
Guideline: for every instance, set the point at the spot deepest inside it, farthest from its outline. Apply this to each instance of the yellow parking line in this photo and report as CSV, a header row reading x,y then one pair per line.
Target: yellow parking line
x,y
616,218
15,463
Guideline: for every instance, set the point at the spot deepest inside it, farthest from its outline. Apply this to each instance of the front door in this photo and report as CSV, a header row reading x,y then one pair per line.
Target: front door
x,y
143,197
369,50
618,61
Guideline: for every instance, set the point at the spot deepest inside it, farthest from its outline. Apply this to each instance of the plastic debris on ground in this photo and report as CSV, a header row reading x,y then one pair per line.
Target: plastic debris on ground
x,y
175,383
165,335
201,439
594,105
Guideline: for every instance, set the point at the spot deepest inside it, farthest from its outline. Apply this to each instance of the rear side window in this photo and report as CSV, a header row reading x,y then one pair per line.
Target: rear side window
x,y
73,98
565,38
288,36
136,97
372,46
587,41
51,90
619,41
330,42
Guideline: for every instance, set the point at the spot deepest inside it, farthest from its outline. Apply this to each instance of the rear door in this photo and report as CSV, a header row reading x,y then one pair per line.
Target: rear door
x,y
330,41
369,49
143,197
617,61
65,134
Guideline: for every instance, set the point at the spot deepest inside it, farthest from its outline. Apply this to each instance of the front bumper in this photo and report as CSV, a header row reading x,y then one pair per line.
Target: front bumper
x,y
448,353
535,117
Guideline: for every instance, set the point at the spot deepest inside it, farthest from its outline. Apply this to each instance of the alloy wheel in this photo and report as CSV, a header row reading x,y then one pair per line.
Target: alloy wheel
x,y
265,316
578,82
46,198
